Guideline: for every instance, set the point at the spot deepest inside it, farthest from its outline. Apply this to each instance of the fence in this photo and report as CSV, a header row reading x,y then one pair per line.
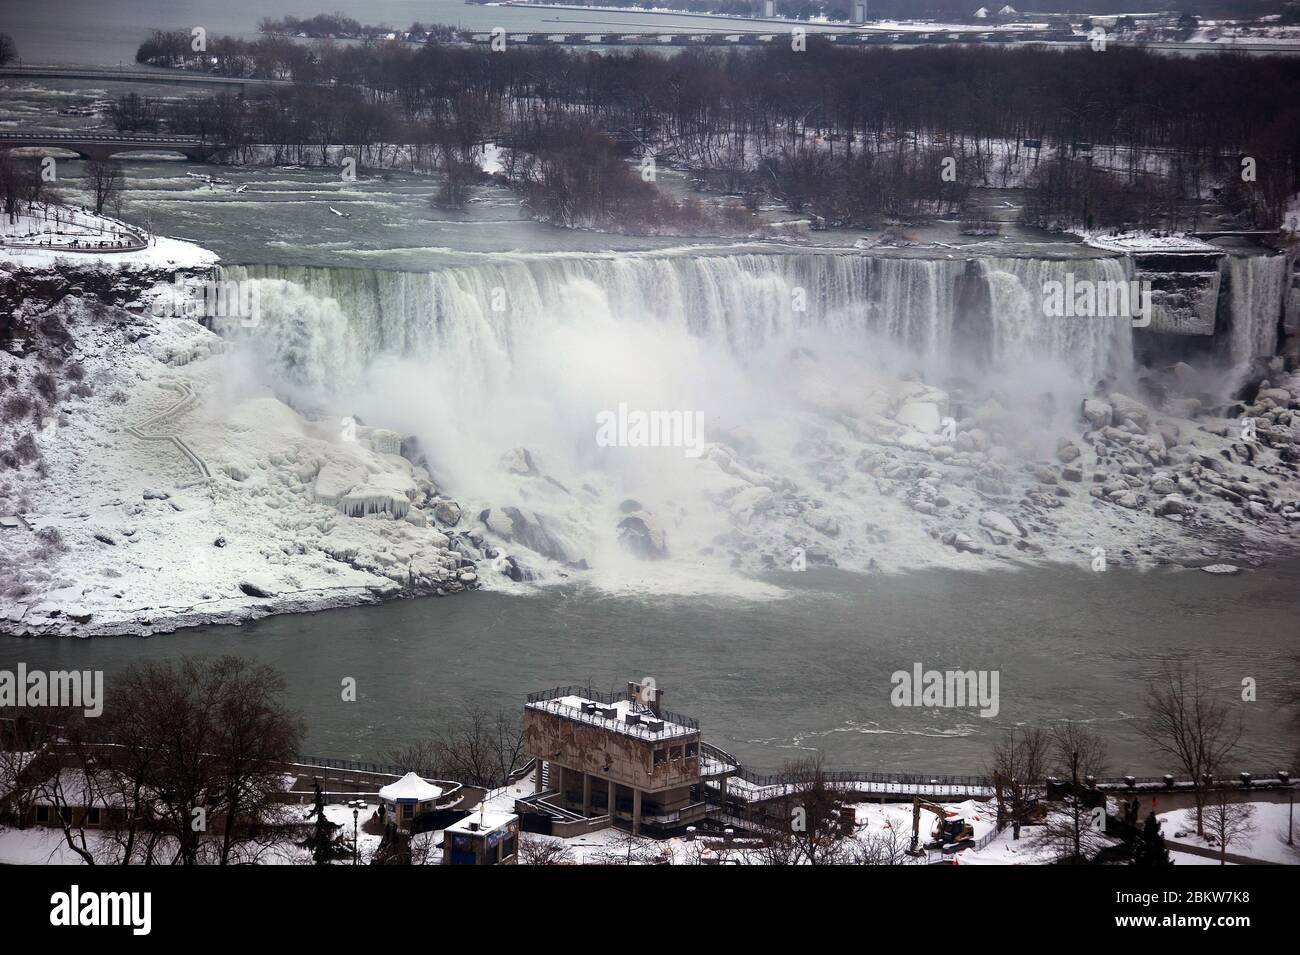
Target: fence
x,y
983,786
550,701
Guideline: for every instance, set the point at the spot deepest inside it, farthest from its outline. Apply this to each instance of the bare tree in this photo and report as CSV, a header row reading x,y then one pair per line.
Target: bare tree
x,y
1017,769
811,824
106,183
481,748
537,850
26,757
1229,821
883,847
1071,832
628,849
255,735
195,772
20,185
1187,723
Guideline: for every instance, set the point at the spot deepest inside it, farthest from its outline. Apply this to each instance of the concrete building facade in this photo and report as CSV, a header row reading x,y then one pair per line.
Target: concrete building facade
x,y
604,760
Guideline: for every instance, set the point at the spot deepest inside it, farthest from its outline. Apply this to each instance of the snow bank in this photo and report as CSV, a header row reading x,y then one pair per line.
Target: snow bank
x,y
138,538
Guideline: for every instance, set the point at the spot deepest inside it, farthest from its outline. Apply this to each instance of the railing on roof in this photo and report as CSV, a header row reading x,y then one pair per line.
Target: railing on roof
x,y
549,700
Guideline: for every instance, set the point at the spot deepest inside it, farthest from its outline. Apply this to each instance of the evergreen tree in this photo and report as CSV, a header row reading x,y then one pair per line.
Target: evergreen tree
x,y
1150,848
325,843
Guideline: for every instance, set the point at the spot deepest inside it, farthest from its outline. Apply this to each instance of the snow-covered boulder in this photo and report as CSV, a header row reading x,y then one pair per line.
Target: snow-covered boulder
x,y
1129,410
1097,413
922,415
380,494
335,480
999,523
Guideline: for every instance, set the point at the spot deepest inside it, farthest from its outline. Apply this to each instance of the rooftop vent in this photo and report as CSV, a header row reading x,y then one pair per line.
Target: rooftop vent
x,y
588,707
633,719
609,712
653,725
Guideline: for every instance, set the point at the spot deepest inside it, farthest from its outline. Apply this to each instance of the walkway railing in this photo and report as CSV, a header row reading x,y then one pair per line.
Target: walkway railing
x,y
608,699
750,785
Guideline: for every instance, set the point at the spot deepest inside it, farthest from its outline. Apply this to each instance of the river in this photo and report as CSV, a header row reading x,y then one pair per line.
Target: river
x,y
774,680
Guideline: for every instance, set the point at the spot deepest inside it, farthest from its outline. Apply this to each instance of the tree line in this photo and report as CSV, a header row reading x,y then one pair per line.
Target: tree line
x,y
188,764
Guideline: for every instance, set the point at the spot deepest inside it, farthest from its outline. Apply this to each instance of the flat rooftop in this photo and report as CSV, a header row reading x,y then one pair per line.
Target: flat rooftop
x,y
482,821
629,717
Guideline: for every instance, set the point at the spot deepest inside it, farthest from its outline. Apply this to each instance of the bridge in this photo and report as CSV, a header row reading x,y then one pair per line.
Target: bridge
x,y
91,145
725,37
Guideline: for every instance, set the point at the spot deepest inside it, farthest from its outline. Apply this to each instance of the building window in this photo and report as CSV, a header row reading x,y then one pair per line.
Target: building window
x,y
660,756
692,749
677,752
93,817
42,813
65,814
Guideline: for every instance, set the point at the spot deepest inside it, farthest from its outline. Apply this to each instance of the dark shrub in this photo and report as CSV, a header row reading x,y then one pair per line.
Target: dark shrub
x,y
17,407
45,385
26,449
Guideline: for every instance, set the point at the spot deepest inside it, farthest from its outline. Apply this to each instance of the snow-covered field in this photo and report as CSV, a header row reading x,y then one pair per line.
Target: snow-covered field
x,y
1267,841
49,236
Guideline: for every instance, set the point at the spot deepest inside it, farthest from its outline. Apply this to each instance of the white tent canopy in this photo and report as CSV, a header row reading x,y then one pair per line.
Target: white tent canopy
x,y
410,788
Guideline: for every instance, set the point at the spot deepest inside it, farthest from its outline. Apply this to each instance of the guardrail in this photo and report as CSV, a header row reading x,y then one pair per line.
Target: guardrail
x,y
609,699
902,783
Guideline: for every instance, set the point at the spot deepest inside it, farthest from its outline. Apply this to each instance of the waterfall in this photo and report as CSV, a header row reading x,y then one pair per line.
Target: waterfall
x,y
1095,347
477,316
797,365
1256,285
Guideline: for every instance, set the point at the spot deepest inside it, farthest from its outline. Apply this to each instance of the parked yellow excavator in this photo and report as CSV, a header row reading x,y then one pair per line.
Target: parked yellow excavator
x,y
947,834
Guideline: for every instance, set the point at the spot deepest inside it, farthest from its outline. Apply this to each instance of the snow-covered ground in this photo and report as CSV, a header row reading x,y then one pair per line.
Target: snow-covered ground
x,y
50,236
878,824
1270,821
1148,242
245,513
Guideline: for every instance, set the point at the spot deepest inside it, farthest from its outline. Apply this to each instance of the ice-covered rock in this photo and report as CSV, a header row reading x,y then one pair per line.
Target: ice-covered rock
x,y
380,494
922,415
527,529
258,585
641,534
1173,504
447,513
999,523
384,441
519,461
1130,410
334,480
1097,413
1222,569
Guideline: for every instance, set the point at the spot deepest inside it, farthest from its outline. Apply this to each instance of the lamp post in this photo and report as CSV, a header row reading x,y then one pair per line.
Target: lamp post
x,y
357,805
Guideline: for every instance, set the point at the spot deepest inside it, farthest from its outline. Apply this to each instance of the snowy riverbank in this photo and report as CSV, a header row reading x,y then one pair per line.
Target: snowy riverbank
x,y
149,483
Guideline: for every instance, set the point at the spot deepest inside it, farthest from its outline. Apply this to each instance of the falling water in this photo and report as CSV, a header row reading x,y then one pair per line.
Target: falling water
x,y
797,364
1256,285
